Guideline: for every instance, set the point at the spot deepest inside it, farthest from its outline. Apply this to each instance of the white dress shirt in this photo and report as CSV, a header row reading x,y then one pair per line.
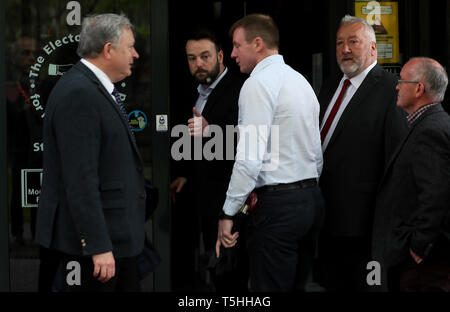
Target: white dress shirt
x,y
281,103
104,79
355,83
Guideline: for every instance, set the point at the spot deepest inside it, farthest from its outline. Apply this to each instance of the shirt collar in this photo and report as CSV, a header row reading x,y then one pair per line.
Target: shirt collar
x,y
207,91
104,79
272,59
358,79
411,118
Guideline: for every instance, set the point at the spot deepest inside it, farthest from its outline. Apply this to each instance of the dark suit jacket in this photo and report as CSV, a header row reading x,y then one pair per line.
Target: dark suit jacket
x,y
93,196
209,179
413,201
365,137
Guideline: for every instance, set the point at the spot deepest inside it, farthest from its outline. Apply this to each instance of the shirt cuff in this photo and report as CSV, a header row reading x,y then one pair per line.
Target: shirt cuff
x,y
232,206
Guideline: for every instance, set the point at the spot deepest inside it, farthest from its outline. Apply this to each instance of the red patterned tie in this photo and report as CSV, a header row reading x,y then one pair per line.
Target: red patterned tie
x,y
327,125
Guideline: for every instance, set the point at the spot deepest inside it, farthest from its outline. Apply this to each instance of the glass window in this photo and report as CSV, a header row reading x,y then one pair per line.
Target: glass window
x,y
41,42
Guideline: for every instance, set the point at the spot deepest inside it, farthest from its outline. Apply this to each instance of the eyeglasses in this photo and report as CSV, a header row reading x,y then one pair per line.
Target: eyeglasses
x,y
407,81
400,81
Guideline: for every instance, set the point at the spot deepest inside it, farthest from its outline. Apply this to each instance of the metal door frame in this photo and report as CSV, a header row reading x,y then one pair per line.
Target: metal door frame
x,y
159,30
4,226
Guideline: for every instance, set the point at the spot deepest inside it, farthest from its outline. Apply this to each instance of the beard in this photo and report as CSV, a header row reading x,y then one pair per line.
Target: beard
x,y
211,75
350,68
356,64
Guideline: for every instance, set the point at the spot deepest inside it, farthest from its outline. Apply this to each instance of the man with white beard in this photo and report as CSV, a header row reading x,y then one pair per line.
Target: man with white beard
x,y
360,127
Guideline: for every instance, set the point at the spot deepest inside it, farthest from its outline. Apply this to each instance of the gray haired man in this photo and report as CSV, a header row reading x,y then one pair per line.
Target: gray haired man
x,y
92,205
411,236
360,128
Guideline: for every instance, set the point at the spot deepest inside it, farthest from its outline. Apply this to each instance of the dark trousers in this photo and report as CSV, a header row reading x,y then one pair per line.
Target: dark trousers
x,y
431,275
237,279
126,278
277,226
342,264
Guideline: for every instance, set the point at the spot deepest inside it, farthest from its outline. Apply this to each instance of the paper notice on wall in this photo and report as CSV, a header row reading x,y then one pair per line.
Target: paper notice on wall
x,y
383,16
31,187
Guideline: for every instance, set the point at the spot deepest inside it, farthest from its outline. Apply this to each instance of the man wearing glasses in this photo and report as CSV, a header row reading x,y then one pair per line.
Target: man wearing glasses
x,y
411,235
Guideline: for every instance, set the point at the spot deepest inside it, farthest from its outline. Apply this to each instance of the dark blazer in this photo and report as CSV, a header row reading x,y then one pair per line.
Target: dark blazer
x,y
413,200
93,195
209,179
365,137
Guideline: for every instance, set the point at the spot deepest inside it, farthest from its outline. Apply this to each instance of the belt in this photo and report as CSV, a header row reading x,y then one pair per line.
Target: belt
x,y
288,186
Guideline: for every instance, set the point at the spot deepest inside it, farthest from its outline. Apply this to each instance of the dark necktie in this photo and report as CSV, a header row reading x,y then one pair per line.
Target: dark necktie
x,y
334,111
119,102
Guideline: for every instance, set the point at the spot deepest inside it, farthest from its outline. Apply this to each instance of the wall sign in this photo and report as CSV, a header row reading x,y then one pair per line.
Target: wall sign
x,y
138,120
383,16
162,124
31,187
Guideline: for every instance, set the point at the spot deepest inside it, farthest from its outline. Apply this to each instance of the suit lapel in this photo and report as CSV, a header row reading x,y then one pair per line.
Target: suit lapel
x,y
355,103
216,94
432,110
118,111
87,72
394,156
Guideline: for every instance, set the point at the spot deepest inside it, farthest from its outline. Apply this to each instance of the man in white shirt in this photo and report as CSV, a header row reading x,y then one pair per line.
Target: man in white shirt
x,y
278,155
360,128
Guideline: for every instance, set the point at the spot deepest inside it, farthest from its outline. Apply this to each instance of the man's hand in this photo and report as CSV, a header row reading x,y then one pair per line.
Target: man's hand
x,y
415,257
176,186
198,126
104,266
224,236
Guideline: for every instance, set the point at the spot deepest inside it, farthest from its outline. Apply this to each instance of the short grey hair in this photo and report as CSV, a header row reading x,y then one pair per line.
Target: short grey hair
x,y
348,20
432,75
98,30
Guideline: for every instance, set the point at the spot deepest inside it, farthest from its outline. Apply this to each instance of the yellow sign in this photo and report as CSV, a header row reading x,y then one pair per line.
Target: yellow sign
x,y
383,16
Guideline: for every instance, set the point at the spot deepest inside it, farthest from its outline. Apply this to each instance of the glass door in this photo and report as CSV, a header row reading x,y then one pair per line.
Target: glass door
x,y
40,46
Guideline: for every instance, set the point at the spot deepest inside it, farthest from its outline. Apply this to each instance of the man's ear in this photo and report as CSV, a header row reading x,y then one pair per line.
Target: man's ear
x,y
106,52
373,48
420,90
258,44
220,56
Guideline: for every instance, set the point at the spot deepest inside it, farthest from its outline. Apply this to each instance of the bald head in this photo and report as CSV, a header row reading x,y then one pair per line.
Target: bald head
x,y
422,81
432,75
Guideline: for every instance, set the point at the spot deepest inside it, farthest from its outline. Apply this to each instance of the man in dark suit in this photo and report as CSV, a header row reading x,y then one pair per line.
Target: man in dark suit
x,y
360,127
411,235
215,108
92,205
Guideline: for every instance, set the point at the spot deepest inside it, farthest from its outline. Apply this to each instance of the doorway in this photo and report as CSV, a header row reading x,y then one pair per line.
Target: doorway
x,y
40,42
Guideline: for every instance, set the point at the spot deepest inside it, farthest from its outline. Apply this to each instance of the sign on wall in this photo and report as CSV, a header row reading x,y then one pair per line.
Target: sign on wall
x,y
383,16
31,187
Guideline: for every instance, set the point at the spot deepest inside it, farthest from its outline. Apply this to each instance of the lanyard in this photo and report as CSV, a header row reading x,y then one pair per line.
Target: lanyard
x,y
22,91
